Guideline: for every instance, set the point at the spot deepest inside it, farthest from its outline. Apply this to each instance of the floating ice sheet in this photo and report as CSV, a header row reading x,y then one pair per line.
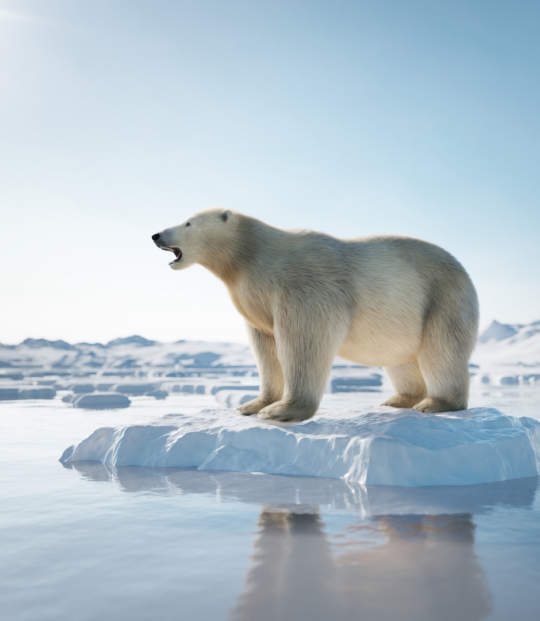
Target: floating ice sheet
x,y
381,446
101,401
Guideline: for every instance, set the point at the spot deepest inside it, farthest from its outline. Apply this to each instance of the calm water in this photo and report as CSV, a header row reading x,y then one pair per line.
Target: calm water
x,y
88,542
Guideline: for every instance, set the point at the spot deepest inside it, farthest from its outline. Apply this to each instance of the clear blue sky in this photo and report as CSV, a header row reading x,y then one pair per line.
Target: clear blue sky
x,y
121,117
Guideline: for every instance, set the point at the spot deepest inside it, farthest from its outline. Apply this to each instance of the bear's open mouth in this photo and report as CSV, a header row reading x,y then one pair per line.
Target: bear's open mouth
x,y
177,252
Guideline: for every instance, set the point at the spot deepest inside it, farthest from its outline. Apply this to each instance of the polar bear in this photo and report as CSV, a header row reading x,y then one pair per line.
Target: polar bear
x,y
384,301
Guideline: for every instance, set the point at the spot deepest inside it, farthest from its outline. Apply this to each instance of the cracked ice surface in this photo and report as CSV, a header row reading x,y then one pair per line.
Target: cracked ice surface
x,y
372,446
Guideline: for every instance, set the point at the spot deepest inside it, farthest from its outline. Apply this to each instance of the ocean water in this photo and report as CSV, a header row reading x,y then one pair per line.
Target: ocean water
x,y
88,542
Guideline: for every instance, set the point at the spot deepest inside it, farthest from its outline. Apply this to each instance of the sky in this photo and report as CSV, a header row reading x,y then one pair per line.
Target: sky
x,y
119,118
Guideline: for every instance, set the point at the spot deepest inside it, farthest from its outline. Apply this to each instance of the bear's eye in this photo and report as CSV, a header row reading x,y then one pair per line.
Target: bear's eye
x,y
188,224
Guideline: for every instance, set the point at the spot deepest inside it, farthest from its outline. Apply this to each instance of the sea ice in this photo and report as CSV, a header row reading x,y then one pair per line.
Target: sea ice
x,y
157,394
381,446
356,384
219,387
103,401
27,392
8,394
234,398
134,389
80,389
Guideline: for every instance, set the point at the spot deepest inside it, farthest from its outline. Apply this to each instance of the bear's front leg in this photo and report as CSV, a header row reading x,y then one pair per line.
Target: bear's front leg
x,y
306,348
270,373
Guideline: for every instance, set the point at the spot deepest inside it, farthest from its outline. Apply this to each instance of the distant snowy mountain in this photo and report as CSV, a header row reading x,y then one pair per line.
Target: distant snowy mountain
x,y
38,343
131,353
498,332
509,344
132,340
128,354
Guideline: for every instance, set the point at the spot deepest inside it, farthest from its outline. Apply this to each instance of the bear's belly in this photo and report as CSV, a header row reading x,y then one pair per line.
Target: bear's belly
x,y
382,344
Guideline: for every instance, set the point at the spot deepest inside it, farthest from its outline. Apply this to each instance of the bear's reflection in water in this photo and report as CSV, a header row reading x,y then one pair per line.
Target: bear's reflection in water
x,y
424,568
409,555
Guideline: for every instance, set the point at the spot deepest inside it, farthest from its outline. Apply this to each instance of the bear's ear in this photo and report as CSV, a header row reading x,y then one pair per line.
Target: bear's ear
x,y
225,215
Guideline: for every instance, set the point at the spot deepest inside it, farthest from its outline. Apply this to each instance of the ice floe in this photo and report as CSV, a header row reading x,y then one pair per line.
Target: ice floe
x,y
372,446
26,392
101,401
157,394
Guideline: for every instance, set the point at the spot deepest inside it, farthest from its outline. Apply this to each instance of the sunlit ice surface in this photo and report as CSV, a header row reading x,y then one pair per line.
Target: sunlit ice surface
x,y
93,542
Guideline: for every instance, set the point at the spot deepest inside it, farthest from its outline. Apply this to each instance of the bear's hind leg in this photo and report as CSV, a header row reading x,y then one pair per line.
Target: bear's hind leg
x,y
450,333
447,387
446,373
449,338
270,374
408,383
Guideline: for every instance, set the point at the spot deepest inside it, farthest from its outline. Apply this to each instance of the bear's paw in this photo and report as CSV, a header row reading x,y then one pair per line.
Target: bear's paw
x,y
252,407
288,412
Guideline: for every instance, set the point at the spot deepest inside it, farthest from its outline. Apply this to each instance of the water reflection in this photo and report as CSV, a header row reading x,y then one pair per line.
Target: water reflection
x,y
424,569
292,574
400,553
309,494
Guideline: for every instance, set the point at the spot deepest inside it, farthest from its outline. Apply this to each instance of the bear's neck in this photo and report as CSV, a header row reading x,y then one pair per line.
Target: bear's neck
x,y
239,254
224,267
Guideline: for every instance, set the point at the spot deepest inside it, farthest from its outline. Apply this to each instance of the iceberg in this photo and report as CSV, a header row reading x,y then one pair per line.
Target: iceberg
x,y
381,446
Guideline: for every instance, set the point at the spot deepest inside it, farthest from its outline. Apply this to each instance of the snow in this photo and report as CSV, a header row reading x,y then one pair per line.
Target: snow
x,y
372,446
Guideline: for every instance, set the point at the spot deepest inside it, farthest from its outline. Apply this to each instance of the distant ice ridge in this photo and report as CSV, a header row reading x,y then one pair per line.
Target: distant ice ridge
x,y
381,446
505,355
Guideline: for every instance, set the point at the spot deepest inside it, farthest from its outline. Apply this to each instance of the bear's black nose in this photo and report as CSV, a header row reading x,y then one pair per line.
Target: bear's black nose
x,y
155,237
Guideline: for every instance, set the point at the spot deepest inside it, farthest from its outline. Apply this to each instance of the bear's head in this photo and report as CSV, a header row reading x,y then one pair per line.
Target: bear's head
x,y
199,239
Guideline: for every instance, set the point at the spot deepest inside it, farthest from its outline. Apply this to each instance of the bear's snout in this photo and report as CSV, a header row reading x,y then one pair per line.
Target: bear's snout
x,y
155,237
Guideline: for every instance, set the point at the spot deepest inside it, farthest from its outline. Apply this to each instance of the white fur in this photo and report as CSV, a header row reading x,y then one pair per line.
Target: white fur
x,y
396,302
